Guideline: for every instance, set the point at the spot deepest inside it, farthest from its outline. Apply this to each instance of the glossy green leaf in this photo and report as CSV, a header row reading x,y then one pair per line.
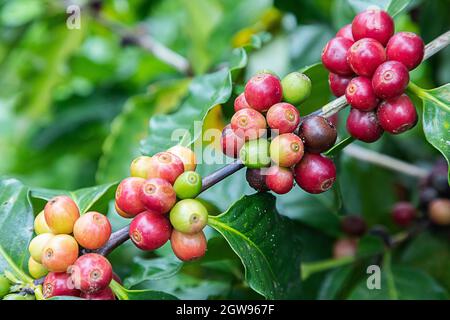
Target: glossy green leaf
x,y
144,294
130,126
88,199
267,244
436,117
16,225
407,284
184,125
152,270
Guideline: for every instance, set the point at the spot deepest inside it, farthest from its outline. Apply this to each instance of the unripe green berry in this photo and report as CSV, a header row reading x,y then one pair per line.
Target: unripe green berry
x,y
35,269
188,185
296,87
38,244
255,154
40,225
189,216
4,286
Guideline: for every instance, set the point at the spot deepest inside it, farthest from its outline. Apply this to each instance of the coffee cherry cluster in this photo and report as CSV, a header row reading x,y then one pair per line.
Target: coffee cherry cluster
x,y
54,253
292,149
370,65
159,197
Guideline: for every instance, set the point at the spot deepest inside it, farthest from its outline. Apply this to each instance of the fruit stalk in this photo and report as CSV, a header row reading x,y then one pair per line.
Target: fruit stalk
x,y
120,236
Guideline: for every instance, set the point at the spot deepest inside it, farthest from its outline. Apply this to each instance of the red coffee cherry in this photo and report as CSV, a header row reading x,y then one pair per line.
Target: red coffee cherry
x,y
280,180
390,80
403,213
59,284
317,133
262,91
360,94
283,117
128,201
59,253
315,173
397,115
231,143
353,225
150,230
407,48
256,179
165,165
334,56
439,211
346,32
158,195
60,213
364,126
105,294
92,230
338,83
365,56
121,212
188,247
248,124
91,273
240,102
375,24
344,248
286,149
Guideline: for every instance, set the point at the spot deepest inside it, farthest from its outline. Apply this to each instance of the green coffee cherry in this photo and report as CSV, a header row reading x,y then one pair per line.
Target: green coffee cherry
x,y
4,286
16,296
189,216
188,185
296,87
35,269
255,154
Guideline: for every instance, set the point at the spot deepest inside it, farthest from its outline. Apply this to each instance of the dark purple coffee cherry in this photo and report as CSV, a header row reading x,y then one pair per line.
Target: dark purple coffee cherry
x,y
318,134
256,179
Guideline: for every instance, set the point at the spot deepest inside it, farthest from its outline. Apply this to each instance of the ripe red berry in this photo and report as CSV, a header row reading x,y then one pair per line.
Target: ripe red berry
x,y
390,80
315,173
188,247
59,284
158,195
231,143
344,248
248,124
317,133
59,253
128,196
439,211
407,48
92,230
150,230
262,91
334,56
403,213
365,56
240,102
286,149
105,294
283,117
346,32
165,165
60,213
256,179
375,24
91,273
280,180
364,126
397,115
338,83
360,95
353,225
